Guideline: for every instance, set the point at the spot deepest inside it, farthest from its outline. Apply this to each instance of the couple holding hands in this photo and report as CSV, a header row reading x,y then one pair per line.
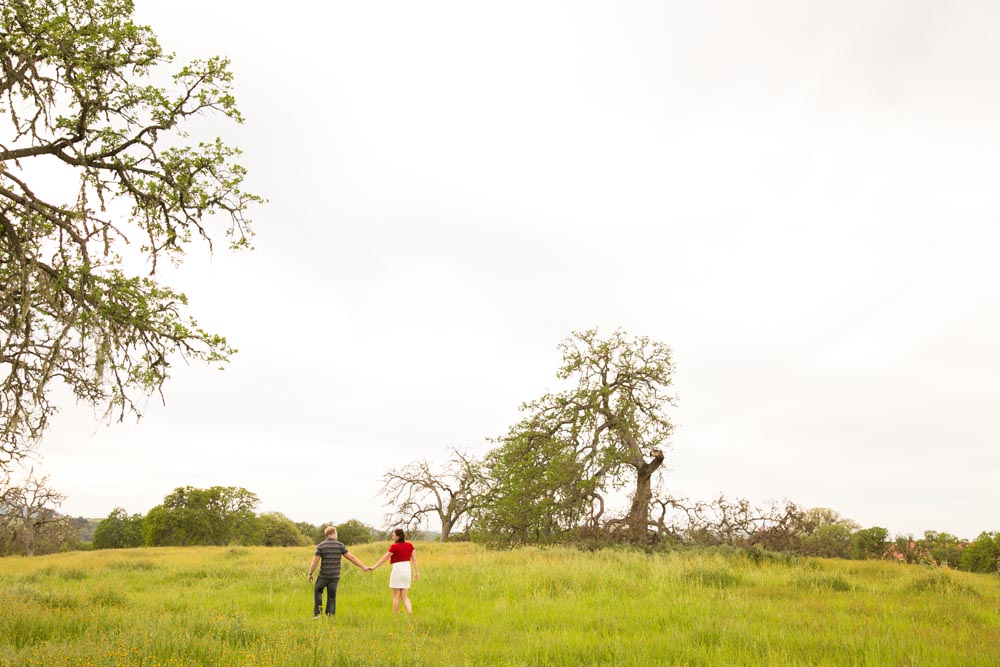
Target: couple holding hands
x,y
328,555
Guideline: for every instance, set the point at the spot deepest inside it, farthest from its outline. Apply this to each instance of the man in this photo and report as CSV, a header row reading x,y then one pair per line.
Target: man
x,y
328,552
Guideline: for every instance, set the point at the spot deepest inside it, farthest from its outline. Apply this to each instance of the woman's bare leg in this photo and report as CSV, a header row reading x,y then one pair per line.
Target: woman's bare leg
x,y
405,594
395,600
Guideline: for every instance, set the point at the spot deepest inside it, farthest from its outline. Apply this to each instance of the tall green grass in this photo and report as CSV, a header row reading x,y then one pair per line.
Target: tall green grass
x,y
253,606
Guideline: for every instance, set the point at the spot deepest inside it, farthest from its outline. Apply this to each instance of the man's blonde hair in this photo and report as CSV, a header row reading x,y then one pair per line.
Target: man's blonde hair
x,y
330,530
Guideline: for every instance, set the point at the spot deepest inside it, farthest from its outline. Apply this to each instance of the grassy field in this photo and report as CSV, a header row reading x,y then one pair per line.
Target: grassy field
x,y
253,606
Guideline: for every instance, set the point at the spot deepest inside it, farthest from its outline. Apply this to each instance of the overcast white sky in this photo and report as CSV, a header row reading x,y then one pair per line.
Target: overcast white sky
x,y
799,197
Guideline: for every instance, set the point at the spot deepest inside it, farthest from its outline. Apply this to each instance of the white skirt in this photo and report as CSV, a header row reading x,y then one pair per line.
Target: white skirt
x,y
400,575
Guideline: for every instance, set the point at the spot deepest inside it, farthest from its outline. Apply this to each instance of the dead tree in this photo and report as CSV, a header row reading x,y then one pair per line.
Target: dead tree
x,y
28,507
419,491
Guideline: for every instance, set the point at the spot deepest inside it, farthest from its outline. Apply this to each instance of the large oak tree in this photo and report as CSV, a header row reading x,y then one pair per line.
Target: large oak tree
x,y
190,516
555,468
98,186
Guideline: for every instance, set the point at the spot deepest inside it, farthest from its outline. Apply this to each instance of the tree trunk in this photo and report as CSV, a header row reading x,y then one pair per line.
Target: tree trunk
x,y
638,514
446,526
28,540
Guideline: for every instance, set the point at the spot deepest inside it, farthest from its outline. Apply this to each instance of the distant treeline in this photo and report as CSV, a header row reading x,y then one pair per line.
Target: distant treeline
x,y
219,515
226,515
188,516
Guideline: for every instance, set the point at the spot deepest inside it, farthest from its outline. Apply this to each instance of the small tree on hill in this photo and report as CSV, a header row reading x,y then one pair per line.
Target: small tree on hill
x,y
983,554
119,531
869,543
353,531
279,531
827,534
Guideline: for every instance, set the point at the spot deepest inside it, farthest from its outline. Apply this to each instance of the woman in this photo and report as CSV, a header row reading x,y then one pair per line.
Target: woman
x,y
400,555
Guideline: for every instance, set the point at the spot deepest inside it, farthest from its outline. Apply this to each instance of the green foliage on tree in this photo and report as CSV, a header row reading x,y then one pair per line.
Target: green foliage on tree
x,y
277,530
119,531
215,516
353,531
869,543
826,534
829,541
536,492
312,532
945,549
98,187
983,555
605,432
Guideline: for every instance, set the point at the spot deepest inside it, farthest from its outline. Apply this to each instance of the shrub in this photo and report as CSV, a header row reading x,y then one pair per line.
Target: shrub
x,y
832,540
868,543
280,531
353,531
119,531
983,555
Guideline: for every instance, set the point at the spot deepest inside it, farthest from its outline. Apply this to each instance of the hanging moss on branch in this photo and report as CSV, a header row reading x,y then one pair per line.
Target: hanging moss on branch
x,y
78,105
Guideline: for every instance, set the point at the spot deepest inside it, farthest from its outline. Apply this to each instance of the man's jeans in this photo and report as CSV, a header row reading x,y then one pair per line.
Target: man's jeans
x,y
331,595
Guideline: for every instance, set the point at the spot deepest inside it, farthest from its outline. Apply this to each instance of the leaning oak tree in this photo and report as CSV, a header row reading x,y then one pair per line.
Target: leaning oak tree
x,y
95,180
606,432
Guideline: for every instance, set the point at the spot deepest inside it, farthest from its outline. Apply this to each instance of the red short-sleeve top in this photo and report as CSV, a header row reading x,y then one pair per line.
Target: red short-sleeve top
x,y
401,551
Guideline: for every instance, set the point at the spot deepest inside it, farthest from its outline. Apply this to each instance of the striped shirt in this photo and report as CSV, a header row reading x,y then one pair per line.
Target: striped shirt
x,y
330,551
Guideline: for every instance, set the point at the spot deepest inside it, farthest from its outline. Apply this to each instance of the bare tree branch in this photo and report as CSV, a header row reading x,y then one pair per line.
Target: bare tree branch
x,y
418,492
26,508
